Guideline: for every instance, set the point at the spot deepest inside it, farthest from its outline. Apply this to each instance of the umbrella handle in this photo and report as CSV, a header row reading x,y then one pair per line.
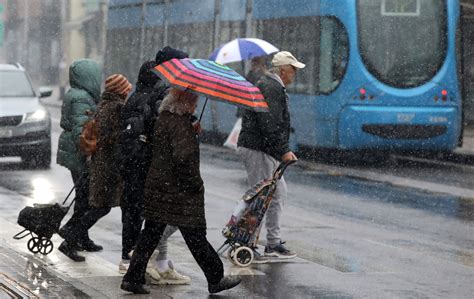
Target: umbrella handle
x,y
202,111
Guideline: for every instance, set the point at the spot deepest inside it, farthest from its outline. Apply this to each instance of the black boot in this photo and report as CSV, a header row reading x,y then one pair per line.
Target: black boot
x,y
89,245
227,282
71,252
135,288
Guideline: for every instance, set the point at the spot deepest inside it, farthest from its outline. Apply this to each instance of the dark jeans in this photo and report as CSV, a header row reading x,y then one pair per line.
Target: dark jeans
x,y
132,207
84,216
196,241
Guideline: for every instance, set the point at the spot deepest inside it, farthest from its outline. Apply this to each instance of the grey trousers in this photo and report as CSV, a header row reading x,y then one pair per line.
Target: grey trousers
x,y
260,166
163,245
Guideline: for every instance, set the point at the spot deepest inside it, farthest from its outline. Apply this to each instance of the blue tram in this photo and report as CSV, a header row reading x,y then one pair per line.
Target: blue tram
x,y
381,74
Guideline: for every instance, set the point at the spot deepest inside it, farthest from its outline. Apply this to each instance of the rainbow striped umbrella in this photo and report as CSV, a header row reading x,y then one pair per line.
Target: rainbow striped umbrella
x,y
212,80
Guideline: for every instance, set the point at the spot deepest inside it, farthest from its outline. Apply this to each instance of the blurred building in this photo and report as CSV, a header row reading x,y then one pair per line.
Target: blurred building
x,y
32,36
84,25
47,35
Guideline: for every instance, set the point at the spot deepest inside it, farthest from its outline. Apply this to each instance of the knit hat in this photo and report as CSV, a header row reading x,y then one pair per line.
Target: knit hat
x,y
168,53
117,84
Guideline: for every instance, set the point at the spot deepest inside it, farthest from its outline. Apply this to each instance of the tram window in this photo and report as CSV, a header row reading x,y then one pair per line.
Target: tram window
x,y
195,39
296,35
334,55
122,46
228,31
402,43
319,42
154,37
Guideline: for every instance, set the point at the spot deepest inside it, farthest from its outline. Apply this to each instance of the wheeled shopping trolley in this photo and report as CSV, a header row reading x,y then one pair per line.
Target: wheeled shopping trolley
x,y
242,230
40,222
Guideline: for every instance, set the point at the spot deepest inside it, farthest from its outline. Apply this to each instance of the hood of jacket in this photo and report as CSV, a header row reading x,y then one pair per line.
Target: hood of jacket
x,y
168,53
146,76
85,74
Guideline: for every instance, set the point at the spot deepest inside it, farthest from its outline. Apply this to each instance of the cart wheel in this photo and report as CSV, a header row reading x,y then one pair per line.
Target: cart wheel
x,y
46,246
243,256
34,245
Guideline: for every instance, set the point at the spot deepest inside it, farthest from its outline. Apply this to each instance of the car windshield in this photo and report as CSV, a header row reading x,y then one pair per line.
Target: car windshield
x,y
15,84
402,42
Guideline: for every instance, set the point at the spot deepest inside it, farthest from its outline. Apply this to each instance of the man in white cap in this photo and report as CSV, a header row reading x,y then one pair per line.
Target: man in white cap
x,y
264,142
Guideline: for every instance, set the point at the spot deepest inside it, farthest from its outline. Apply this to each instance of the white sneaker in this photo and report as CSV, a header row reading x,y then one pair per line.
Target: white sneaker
x,y
171,276
152,268
123,266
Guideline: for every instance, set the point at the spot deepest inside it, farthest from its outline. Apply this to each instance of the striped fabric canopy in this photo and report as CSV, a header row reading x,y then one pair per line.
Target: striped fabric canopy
x,y
212,80
242,49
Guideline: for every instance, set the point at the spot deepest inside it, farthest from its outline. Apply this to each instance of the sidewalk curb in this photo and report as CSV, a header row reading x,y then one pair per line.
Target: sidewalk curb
x,y
46,273
396,181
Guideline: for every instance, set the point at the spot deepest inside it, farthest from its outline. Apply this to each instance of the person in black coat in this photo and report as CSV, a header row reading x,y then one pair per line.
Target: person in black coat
x,y
136,154
138,118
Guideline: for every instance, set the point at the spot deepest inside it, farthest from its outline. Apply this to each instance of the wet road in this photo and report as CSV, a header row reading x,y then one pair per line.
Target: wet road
x,y
355,238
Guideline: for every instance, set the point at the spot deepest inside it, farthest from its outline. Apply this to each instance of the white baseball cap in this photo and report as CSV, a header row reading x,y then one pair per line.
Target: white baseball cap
x,y
286,58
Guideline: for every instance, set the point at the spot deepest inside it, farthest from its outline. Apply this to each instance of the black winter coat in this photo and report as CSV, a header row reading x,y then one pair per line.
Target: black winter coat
x,y
268,132
105,181
137,121
160,90
174,190
133,121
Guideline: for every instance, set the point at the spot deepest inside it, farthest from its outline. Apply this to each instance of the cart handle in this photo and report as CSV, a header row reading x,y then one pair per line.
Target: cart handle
x,y
21,234
83,176
67,197
281,169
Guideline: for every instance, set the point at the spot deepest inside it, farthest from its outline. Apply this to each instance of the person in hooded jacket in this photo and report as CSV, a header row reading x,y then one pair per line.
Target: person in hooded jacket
x,y
105,180
79,105
137,121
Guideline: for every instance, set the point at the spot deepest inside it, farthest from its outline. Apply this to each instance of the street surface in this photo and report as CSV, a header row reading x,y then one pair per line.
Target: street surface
x,y
401,229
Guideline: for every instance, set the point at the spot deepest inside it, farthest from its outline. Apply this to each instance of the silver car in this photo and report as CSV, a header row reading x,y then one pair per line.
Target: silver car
x,y
25,124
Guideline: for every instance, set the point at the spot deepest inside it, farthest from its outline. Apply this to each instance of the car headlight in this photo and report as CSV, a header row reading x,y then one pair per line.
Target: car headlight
x,y
37,116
